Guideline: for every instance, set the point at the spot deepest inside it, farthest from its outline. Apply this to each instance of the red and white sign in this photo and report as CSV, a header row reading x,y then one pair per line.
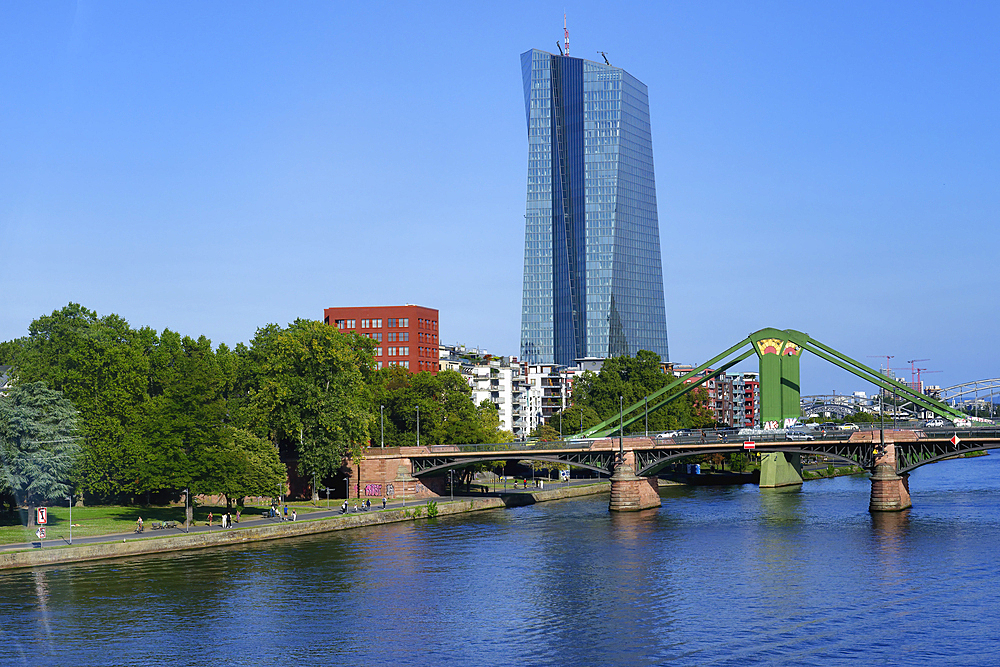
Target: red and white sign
x,y
40,533
749,444
41,515
955,440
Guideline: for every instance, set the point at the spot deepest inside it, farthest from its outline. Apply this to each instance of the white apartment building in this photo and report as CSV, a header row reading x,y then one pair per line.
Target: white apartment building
x,y
499,381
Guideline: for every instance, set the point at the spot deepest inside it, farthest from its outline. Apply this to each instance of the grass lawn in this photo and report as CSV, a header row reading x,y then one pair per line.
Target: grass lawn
x,y
105,519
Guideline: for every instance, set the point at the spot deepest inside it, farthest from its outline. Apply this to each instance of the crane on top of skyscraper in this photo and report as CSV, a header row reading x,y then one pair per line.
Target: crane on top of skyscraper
x,y
565,34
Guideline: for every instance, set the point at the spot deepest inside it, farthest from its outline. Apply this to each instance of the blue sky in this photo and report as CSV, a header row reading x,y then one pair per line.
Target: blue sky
x,y
214,167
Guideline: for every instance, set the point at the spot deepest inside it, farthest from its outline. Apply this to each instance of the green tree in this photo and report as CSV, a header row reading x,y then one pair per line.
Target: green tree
x,y
309,390
39,444
248,466
545,433
624,381
183,419
100,364
489,424
444,401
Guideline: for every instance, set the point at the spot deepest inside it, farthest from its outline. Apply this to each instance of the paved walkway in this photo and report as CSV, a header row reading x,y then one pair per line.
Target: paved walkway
x,y
249,521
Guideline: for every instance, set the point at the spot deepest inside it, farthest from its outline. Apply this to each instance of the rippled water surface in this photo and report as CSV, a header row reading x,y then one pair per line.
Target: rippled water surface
x,y
727,575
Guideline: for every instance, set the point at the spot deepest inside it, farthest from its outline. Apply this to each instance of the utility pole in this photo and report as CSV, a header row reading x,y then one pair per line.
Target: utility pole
x,y
621,427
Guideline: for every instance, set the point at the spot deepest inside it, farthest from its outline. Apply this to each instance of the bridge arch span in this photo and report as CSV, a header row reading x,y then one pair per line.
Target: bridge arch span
x,y
831,408
654,466
955,453
444,467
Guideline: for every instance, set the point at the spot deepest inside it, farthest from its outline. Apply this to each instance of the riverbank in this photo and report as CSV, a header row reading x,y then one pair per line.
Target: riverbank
x,y
133,546
832,471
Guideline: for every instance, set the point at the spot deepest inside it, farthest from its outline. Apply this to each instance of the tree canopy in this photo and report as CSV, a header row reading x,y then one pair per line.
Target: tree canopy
x,y
39,443
596,397
308,387
445,407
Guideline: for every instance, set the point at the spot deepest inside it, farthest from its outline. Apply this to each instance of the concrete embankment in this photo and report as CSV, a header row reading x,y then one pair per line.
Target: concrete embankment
x,y
277,531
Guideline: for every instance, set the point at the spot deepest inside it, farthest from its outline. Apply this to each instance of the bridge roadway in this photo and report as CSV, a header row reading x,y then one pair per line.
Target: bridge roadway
x,y
913,448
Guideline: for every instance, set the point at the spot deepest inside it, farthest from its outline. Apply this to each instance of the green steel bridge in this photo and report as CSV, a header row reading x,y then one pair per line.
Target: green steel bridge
x,y
889,455
778,352
913,449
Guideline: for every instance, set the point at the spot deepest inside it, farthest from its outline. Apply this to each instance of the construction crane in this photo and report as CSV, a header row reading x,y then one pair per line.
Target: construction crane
x,y
913,369
919,381
887,357
605,56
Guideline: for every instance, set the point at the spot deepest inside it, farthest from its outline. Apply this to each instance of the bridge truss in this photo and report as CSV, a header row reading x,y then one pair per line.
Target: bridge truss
x,y
778,382
971,393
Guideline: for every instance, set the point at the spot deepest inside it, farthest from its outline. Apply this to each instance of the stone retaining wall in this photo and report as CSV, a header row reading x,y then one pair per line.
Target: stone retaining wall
x,y
277,531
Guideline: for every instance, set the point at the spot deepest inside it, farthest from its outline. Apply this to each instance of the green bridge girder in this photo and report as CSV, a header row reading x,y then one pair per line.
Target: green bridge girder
x,y
650,458
779,352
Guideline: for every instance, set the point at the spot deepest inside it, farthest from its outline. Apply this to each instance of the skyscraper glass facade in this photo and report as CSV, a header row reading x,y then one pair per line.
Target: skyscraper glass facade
x,y
593,282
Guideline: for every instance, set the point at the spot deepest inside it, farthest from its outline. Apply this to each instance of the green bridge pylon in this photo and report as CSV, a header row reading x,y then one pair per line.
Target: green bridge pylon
x,y
779,352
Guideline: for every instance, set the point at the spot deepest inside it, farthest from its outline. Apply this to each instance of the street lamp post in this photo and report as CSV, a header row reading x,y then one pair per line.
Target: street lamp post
x,y
418,426
187,497
70,499
621,426
381,412
451,484
881,426
647,415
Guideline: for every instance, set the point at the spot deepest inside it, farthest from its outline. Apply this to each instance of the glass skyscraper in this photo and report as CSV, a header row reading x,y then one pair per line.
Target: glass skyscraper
x,y
593,282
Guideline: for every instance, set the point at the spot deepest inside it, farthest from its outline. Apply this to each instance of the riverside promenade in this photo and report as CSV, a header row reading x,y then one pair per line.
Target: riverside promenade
x,y
29,554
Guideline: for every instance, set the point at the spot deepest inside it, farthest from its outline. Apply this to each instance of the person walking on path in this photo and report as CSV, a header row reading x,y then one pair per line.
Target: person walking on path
x,y
209,519
293,515
237,516
384,501
138,525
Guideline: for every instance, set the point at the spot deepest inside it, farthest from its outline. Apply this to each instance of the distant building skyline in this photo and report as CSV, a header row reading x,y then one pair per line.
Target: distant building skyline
x,y
593,278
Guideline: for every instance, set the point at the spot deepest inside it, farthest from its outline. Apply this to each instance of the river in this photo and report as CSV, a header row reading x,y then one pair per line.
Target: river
x,y
731,575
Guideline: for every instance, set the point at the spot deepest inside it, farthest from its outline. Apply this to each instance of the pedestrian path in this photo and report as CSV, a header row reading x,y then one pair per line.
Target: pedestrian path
x,y
249,521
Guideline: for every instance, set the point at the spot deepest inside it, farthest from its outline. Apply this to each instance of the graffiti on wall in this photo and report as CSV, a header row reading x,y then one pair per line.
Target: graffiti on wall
x,y
373,490
390,490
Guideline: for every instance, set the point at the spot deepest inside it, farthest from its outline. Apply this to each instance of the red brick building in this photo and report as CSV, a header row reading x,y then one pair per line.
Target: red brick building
x,y
404,336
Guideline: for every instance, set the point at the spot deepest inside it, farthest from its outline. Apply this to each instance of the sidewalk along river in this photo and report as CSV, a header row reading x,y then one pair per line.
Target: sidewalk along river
x,y
285,529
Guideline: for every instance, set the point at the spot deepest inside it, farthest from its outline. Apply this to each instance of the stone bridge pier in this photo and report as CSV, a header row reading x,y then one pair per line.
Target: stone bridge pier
x,y
389,472
890,492
629,492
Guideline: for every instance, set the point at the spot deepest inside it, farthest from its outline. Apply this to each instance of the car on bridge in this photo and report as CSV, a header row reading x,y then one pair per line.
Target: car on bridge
x,y
849,427
934,423
799,434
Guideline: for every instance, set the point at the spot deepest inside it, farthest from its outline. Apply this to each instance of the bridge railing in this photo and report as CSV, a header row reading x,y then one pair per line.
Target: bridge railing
x,y
513,446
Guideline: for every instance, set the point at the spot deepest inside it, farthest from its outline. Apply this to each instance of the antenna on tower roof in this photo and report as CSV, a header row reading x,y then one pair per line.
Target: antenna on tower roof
x,y
565,34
